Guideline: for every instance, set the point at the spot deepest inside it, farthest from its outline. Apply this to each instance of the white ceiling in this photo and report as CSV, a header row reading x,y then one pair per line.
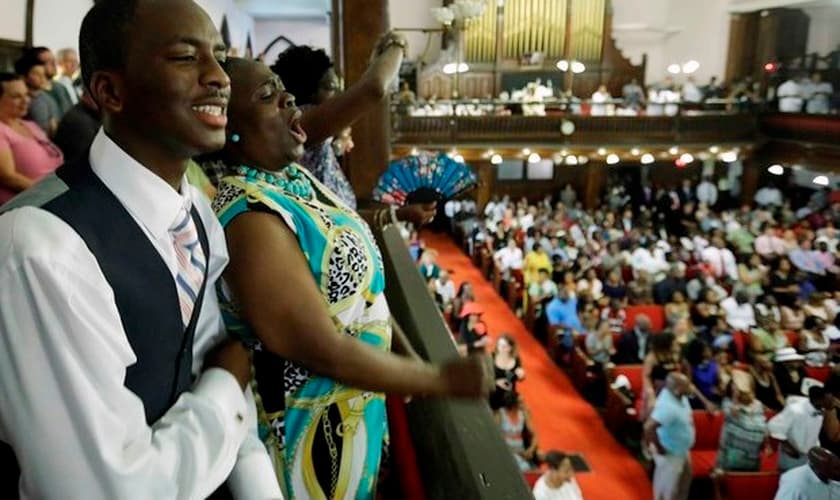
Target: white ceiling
x,y
286,9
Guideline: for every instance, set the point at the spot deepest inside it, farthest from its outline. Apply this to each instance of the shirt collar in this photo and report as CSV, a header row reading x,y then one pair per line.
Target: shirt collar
x,y
149,199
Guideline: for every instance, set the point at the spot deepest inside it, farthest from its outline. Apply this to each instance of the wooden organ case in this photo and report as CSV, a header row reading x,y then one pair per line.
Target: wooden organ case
x,y
498,44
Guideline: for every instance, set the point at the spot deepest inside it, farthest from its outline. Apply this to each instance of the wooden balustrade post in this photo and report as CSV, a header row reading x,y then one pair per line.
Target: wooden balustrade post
x,y
363,21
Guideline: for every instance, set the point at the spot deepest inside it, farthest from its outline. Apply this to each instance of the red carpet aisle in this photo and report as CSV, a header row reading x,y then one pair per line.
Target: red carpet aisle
x,y
563,419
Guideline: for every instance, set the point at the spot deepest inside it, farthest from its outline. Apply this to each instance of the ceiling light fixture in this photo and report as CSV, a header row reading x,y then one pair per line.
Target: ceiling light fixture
x,y
821,180
612,159
534,158
496,159
647,159
776,169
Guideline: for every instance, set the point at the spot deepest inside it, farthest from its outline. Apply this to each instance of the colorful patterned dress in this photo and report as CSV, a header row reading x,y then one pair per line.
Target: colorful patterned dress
x,y
326,438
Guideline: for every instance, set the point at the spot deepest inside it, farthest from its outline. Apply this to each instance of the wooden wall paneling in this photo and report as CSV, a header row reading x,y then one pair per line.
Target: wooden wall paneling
x,y
741,53
486,173
362,22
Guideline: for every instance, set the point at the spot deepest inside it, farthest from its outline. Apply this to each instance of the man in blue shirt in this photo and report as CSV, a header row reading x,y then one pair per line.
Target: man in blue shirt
x,y
562,314
670,433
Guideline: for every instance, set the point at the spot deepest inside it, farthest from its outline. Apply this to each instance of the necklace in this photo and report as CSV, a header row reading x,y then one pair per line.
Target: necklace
x,y
290,181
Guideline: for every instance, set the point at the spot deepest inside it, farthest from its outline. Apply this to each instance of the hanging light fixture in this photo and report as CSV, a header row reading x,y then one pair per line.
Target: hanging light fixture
x,y
821,180
534,158
647,159
496,159
612,159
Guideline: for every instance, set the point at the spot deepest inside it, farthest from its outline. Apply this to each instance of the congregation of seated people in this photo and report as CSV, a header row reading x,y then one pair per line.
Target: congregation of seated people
x,y
742,300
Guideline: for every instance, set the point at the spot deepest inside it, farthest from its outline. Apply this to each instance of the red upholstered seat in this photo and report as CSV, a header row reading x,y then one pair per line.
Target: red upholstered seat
x,y
740,341
532,476
703,462
707,428
750,485
656,313
793,339
820,373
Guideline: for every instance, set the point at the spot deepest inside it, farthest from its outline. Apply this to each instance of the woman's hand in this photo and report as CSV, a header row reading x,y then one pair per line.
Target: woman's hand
x,y
389,40
418,214
465,377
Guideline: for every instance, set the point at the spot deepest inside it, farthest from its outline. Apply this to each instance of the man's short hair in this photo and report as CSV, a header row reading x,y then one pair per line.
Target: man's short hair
x,y
25,64
554,459
103,37
7,77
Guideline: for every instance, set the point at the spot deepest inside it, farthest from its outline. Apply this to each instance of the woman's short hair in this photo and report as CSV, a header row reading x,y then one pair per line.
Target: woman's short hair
x,y
554,459
301,68
25,64
7,77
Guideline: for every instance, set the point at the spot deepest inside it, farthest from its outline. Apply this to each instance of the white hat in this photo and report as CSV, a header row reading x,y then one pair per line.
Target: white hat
x,y
787,354
687,243
807,383
621,381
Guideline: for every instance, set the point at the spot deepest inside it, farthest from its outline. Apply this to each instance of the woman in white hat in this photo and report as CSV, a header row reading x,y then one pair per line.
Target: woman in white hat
x,y
789,370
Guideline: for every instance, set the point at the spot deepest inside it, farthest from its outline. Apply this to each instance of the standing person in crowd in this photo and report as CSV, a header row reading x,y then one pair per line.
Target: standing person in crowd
x,y
507,368
558,482
790,95
534,261
669,431
77,129
819,479
26,154
57,91
744,433
43,109
333,378
428,265
115,319
797,427
789,369
562,314
633,344
707,192
68,63
518,431
633,95
445,287
819,94
661,361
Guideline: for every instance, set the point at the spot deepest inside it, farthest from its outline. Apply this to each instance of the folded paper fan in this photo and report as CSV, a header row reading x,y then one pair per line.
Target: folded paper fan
x,y
423,178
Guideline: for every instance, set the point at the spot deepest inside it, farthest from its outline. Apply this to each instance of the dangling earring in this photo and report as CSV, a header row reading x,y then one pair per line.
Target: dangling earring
x,y
235,138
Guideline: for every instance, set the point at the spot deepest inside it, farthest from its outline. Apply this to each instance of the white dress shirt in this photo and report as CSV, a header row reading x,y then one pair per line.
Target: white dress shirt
x,y
568,491
790,97
78,432
802,484
707,193
769,196
721,261
739,316
510,258
798,423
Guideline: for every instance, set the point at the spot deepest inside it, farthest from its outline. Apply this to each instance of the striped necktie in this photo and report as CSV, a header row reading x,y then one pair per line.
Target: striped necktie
x,y
192,263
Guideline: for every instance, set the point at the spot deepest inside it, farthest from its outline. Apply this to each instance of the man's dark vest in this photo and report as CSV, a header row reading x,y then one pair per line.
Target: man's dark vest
x,y
144,290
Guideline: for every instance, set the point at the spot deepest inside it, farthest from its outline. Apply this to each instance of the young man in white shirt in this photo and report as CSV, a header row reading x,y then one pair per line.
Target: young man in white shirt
x,y
797,427
819,479
509,258
790,96
110,381
721,260
740,314
558,482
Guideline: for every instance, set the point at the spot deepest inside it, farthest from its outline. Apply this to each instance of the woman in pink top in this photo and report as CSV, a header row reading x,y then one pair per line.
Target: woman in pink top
x,y
26,154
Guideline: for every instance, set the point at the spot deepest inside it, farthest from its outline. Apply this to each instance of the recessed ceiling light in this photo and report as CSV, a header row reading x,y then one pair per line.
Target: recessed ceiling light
x,y
821,180
776,169
496,159
647,159
602,151
612,159
635,151
674,150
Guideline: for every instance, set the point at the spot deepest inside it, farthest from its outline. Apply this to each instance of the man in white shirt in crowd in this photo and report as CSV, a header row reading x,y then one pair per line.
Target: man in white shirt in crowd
x,y
102,332
738,311
558,482
768,196
819,479
707,192
790,95
721,260
543,288
445,287
643,259
797,426
819,94
68,63
691,93
509,258
768,244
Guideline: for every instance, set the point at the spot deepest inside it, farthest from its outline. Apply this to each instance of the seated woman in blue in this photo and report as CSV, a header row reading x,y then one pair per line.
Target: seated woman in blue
x,y
305,288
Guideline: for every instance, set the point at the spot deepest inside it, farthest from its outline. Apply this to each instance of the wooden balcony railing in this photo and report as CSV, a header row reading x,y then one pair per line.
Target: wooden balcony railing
x,y
589,130
819,129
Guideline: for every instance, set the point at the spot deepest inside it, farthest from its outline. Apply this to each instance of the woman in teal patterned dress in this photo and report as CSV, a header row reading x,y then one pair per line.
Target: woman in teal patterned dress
x,y
305,288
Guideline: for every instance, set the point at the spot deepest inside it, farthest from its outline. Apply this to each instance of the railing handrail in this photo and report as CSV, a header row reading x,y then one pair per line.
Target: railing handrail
x,y
460,450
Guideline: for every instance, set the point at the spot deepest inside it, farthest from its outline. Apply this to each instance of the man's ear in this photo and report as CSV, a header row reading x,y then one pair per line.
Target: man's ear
x,y
106,88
